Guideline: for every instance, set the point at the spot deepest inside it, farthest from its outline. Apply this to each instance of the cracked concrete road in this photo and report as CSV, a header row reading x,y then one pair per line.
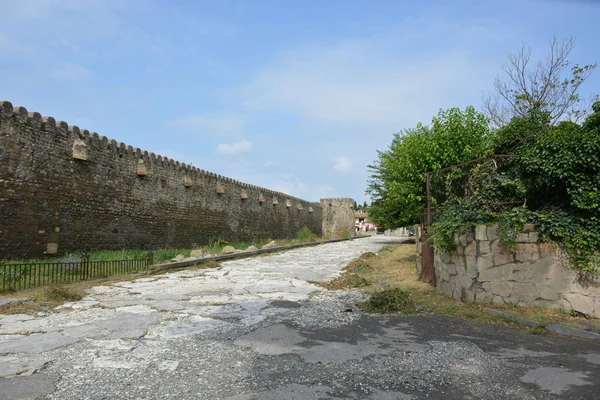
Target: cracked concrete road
x,y
253,330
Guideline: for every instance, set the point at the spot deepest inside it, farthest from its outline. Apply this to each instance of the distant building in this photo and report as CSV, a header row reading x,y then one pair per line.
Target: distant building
x,y
362,223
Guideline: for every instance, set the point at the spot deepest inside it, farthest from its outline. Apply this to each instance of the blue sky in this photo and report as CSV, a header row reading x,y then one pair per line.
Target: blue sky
x,y
292,95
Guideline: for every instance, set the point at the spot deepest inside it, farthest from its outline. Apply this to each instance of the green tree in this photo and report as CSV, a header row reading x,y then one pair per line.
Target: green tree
x,y
397,181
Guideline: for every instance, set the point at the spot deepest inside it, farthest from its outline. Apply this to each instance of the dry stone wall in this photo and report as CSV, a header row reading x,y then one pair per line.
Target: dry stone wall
x,y
64,189
484,270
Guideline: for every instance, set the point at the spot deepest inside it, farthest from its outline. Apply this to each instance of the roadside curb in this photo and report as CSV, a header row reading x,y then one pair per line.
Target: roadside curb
x,y
556,328
243,254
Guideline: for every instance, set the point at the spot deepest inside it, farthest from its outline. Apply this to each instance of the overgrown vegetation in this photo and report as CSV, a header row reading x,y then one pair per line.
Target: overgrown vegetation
x,y
546,168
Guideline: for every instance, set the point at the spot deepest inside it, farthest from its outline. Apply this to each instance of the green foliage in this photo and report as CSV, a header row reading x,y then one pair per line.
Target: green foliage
x,y
398,176
305,235
346,236
559,175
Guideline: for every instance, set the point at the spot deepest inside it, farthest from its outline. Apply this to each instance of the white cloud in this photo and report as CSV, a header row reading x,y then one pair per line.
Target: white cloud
x,y
343,164
234,148
379,80
72,72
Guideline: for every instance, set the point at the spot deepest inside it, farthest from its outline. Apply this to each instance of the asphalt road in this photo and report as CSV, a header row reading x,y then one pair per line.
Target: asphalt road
x,y
255,329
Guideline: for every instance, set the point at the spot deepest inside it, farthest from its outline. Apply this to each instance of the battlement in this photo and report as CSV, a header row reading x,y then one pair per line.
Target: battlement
x,y
64,189
45,123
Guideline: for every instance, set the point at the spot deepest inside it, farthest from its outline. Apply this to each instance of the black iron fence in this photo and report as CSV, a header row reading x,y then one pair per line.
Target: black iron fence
x,y
18,276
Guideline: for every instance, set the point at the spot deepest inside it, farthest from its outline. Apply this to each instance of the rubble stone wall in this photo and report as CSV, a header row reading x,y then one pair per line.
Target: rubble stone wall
x,y
483,270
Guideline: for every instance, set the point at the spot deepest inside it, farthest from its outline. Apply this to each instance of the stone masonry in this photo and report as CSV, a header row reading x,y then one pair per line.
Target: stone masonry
x,y
338,217
484,270
64,189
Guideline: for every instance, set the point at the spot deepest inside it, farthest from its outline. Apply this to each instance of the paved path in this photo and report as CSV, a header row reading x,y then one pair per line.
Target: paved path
x,y
256,329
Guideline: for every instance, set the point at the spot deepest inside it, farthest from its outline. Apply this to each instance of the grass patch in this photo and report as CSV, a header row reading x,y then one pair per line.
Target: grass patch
x,y
346,281
390,301
305,235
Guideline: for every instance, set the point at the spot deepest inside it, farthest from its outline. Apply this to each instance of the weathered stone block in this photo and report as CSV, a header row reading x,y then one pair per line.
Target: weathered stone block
x,y
581,303
80,150
460,250
522,238
228,250
524,290
451,269
471,267
497,300
540,270
504,258
141,169
499,248
484,262
483,297
534,237
559,273
503,289
52,248
445,258
522,273
485,247
501,273
546,292
492,232
463,239
467,296
527,252
481,232
196,253
445,288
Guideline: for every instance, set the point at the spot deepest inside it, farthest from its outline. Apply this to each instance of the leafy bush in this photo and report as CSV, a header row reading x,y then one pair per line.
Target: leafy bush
x,y
305,235
558,173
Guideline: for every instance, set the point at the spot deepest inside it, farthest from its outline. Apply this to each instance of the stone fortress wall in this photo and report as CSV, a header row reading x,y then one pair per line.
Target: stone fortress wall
x,y
338,217
64,189
483,270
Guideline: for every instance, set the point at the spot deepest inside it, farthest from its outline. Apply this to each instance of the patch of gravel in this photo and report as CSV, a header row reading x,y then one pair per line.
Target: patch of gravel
x,y
326,309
